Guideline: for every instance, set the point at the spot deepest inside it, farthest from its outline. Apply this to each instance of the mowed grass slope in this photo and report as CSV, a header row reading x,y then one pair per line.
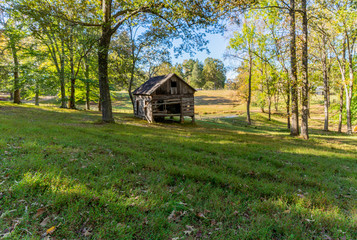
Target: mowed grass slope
x,y
218,179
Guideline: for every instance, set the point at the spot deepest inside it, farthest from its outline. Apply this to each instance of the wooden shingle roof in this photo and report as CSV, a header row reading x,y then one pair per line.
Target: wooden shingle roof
x,y
154,83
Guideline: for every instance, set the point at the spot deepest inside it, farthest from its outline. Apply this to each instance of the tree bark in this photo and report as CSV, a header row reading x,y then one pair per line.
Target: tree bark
x,y
249,87
103,52
305,75
288,92
99,105
86,74
72,98
349,85
294,128
131,84
61,77
342,65
17,97
268,91
340,110
106,104
37,103
326,83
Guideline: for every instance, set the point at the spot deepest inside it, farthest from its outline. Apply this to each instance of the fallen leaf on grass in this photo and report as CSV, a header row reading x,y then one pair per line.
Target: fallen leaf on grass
x,y
201,215
51,230
176,216
86,232
171,216
189,230
39,212
45,221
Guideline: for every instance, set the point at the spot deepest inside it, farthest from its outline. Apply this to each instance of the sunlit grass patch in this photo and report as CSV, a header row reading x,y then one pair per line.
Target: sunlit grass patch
x,y
217,179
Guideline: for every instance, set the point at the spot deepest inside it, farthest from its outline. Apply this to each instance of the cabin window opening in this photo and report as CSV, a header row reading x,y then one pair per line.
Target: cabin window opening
x,y
173,84
161,105
174,108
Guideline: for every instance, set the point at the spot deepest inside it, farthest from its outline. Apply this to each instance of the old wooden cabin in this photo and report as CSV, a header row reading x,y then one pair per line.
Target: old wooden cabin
x,y
164,96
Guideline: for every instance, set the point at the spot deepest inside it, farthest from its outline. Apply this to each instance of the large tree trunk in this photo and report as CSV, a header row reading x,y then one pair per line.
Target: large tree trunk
x,y
106,104
305,75
294,128
249,87
326,84
17,97
61,77
103,52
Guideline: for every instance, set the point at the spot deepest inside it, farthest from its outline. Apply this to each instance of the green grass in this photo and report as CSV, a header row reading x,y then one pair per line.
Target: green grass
x,y
218,179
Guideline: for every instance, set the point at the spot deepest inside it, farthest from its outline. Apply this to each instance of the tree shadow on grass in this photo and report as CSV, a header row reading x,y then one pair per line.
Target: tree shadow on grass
x,y
275,183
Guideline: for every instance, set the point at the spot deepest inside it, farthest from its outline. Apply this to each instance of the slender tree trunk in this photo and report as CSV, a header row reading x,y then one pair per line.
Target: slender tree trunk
x,y
268,91
37,103
37,93
294,128
99,105
11,95
326,83
61,77
288,103
249,87
72,98
131,84
305,75
343,79
269,106
86,73
349,85
17,97
341,109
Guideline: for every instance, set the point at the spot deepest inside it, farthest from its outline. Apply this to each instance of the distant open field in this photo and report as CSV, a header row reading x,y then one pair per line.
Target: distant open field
x,y
215,104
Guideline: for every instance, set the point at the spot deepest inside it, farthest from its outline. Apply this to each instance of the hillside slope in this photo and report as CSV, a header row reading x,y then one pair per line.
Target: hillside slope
x,y
219,179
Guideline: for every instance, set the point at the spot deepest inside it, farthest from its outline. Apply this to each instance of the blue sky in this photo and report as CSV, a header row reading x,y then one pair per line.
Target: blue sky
x,y
217,46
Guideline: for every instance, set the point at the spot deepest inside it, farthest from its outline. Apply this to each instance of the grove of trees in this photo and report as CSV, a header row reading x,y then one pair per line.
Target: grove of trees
x,y
290,48
81,50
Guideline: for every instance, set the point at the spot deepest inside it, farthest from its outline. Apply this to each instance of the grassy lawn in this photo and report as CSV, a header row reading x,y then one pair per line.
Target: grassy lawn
x,y
63,172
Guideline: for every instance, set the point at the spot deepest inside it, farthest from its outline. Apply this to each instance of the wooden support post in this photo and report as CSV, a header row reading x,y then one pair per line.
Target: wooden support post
x,y
182,119
193,119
